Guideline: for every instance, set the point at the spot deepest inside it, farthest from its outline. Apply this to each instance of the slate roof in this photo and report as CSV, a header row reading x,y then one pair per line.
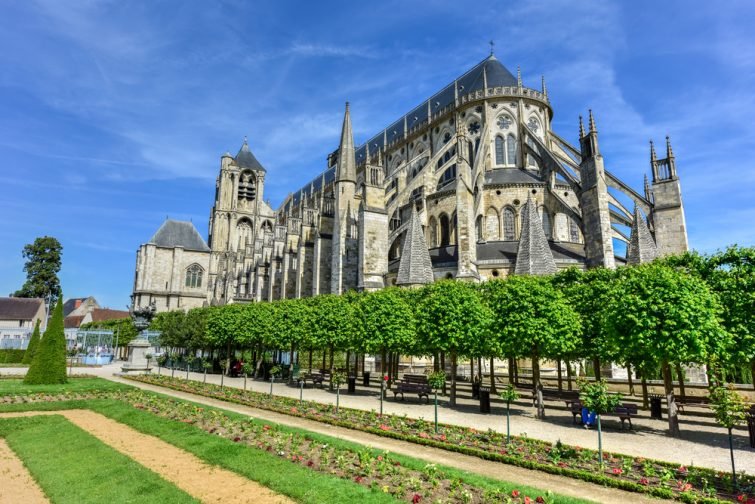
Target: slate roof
x,y
12,308
245,158
534,255
415,267
175,233
512,176
71,305
73,321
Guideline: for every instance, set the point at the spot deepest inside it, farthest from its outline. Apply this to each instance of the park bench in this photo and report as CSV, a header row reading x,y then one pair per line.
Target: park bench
x,y
315,378
681,402
413,384
568,396
625,412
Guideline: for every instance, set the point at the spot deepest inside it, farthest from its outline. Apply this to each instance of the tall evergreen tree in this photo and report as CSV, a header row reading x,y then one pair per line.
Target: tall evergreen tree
x,y
42,267
49,363
32,348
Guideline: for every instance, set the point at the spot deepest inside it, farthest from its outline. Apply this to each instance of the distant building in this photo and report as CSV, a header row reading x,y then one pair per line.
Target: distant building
x,y
104,314
18,316
473,183
79,306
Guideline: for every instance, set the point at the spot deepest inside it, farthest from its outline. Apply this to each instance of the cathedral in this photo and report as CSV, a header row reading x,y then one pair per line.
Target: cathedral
x,y
472,184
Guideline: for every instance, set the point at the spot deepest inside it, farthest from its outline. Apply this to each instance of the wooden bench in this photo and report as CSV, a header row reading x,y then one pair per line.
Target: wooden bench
x,y
315,378
702,402
625,412
568,396
414,384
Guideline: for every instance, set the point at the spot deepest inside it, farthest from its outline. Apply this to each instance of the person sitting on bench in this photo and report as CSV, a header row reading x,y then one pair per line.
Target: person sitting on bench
x,y
588,417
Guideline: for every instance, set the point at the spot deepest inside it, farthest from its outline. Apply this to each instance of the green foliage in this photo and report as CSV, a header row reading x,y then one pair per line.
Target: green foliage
x,y
452,318
11,356
436,380
730,407
247,368
290,324
657,314
42,267
33,343
275,370
595,397
332,323
338,378
387,321
49,363
509,394
532,318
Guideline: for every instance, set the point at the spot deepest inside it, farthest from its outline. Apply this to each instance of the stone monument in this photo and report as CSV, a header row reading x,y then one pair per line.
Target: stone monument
x,y
137,349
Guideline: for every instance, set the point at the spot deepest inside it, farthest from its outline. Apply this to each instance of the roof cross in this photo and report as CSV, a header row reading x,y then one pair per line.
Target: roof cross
x,y
492,46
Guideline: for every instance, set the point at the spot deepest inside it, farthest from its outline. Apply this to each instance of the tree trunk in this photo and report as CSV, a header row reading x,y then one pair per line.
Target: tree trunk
x,y
516,372
673,413
596,368
471,370
680,377
452,400
568,375
227,359
310,360
443,367
436,363
324,357
536,386
348,362
479,368
560,379
629,379
511,370
492,376
291,365
331,360
645,401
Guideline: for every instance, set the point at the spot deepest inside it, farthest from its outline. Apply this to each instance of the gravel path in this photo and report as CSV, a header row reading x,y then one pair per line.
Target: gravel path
x,y
17,485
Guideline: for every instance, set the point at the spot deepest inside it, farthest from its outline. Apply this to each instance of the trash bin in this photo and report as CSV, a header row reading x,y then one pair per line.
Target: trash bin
x,y
751,426
352,384
366,378
484,399
655,407
475,389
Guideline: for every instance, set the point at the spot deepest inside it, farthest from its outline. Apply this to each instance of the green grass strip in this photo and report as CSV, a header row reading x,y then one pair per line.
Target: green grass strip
x,y
10,387
279,475
71,466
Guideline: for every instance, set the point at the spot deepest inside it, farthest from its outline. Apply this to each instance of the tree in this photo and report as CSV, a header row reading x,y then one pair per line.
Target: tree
x,y
42,267
453,319
730,410
531,318
509,395
32,348
49,363
225,327
386,322
665,316
595,397
333,324
291,326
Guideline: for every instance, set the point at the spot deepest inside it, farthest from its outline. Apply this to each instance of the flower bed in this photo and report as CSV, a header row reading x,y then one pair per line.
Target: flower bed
x,y
379,471
661,479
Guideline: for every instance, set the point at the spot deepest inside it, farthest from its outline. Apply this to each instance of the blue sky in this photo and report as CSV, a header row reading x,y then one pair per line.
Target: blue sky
x,y
115,114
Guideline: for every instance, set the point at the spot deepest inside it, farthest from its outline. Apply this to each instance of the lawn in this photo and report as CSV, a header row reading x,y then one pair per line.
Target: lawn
x,y
12,386
330,483
72,466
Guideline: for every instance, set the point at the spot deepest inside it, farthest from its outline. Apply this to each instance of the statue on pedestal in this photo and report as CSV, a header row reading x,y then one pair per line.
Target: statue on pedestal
x,y
137,349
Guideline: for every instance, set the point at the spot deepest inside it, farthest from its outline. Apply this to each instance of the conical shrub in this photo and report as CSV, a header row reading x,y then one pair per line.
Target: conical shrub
x,y
49,362
32,348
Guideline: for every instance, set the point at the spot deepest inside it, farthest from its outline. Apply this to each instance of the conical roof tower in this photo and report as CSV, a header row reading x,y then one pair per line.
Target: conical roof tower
x,y
642,247
415,267
534,255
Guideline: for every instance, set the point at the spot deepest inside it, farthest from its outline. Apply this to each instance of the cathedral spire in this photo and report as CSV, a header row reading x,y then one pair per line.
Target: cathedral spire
x,y
581,128
653,157
642,247
534,256
593,129
518,76
415,267
669,151
367,153
346,168
647,187
545,89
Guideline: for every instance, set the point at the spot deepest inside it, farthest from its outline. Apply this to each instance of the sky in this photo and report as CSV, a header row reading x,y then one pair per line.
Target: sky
x,y
114,114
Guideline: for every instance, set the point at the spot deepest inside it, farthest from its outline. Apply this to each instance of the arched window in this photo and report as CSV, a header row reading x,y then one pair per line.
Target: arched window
x,y
478,228
509,227
433,232
500,151
244,234
547,228
395,251
511,150
492,225
445,230
194,276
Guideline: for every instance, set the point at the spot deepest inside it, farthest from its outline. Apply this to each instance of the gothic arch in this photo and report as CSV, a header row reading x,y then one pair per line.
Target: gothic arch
x,y
193,276
445,230
394,252
432,232
509,223
492,225
244,233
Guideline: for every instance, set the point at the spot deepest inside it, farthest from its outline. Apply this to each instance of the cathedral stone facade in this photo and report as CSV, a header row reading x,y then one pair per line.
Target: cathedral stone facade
x,y
472,184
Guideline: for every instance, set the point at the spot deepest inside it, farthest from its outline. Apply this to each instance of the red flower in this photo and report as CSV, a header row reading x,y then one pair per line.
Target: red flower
x,y
423,435
442,437
397,464
358,479
540,500
380,458
236,439
385,378
515,493
310,463
644,481
416,498
384,427
617,471
682,469
527,500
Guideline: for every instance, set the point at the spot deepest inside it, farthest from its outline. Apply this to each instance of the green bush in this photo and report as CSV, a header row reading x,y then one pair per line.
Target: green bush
x,y
49,363
11,356
33,343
